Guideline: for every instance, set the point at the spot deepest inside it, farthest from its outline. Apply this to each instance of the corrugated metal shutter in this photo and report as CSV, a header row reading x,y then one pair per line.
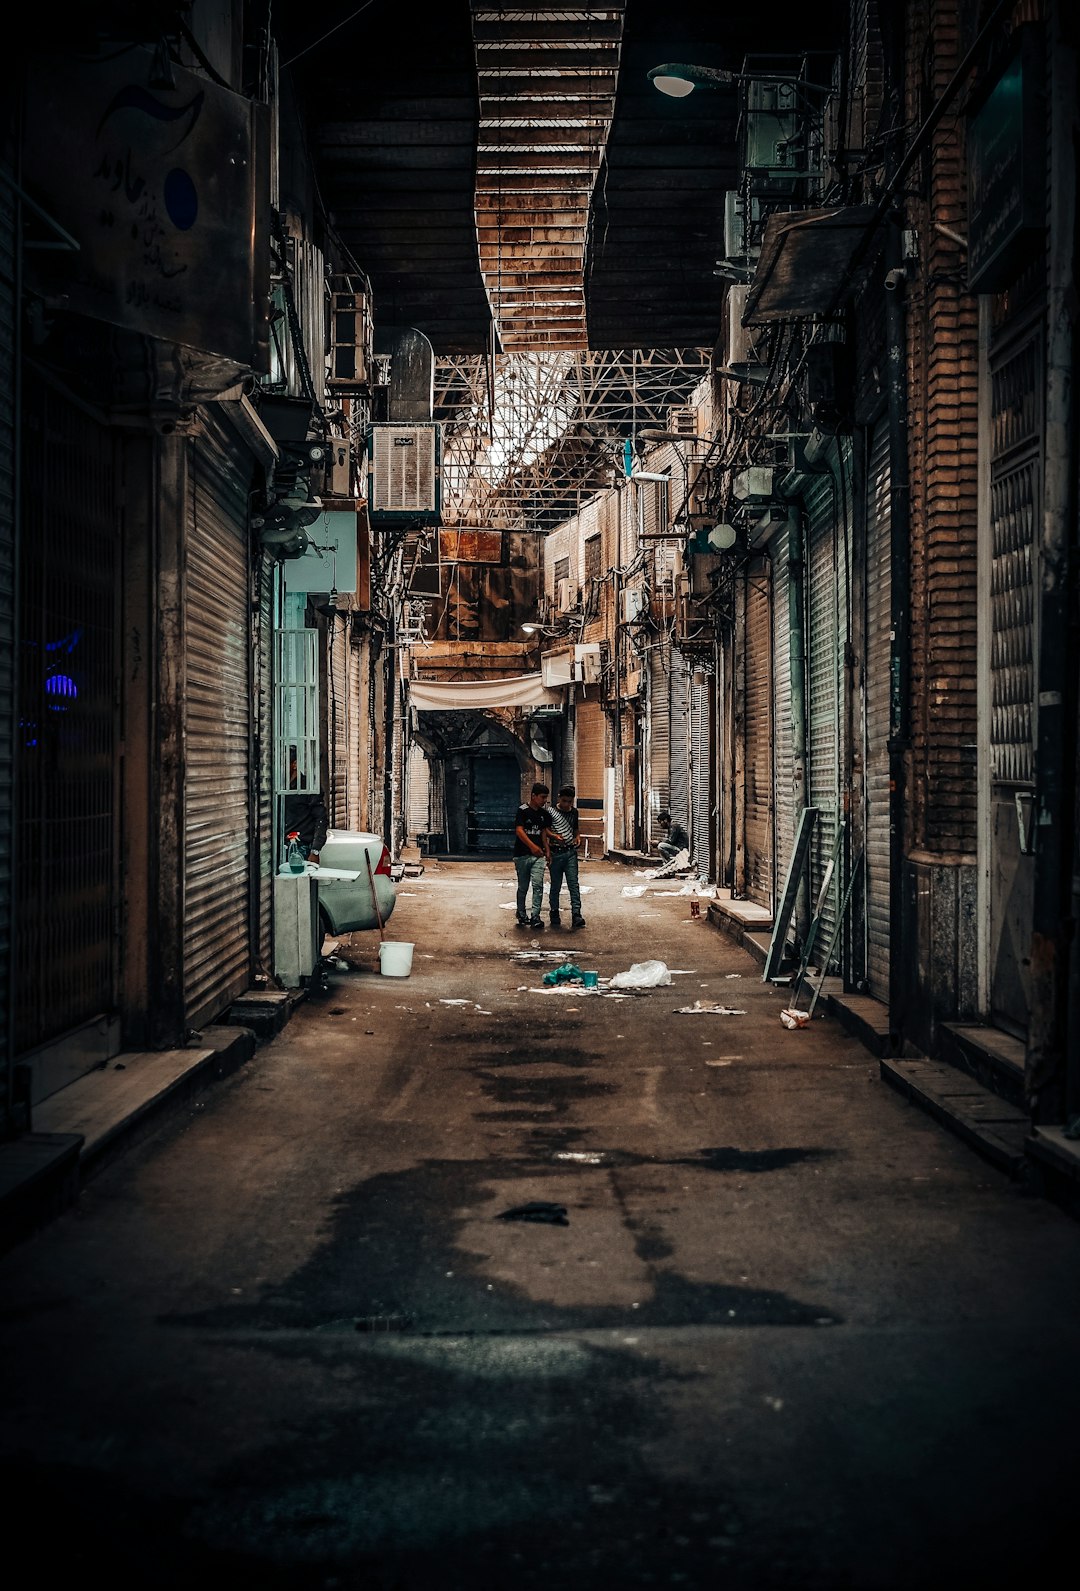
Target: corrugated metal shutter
x,y
264,687
679,754
699,776
823,717
357,708
757,737
217,779
589,769
337,721
878,585
628,778
659,729
783,754
419,818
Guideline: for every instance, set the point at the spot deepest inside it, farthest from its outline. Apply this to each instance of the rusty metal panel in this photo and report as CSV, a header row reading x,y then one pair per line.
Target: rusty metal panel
x,y
264,773
589,765
337,720
659,726
757,732
823,681
878,620
357,708
217,729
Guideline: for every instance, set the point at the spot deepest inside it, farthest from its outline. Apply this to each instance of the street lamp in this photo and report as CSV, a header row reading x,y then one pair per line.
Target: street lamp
x,y
677,79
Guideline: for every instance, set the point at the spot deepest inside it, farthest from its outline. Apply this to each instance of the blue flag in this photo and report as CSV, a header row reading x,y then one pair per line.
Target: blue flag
x,y
628,458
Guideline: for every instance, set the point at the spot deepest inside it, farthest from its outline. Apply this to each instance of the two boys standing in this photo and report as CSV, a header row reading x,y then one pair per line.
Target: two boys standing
x,y
547,835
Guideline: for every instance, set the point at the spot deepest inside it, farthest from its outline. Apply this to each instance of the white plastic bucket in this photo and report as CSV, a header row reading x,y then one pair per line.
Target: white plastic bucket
x,y
395,959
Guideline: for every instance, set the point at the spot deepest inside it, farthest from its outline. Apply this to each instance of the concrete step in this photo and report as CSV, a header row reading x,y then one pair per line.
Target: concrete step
x,y
39,1179
865,1018
991,1125
992,1057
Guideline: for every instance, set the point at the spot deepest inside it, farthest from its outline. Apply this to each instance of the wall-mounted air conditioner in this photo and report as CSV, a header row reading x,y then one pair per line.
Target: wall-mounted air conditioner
x,y
774,151
562,596
754,486
350,342
404,472
682,421
339,469
741,351
588,664
633,602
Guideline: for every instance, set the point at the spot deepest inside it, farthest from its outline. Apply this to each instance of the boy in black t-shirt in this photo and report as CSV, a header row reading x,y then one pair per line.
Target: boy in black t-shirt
x,y
529,854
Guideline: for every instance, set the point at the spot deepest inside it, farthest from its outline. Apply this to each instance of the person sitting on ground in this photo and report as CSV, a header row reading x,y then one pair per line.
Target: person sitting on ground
x,y
561,841
530,853
675,838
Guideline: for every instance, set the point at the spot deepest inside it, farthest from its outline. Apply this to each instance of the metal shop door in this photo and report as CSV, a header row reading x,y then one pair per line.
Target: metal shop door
x,y
589,767
877,587
659,786
218,769
824,647
1015,512
783,751
757,737
494,797
66,746
700,776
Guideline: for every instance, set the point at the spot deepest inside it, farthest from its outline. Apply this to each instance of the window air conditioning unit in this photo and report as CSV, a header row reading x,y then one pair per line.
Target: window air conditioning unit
x,y
404,473
350,342
633,603
339,469
754,486
741,351
562,596
682,421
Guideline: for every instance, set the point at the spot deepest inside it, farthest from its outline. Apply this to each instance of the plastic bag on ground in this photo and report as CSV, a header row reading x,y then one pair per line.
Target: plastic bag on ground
x,y
794,1019
642,975
633,891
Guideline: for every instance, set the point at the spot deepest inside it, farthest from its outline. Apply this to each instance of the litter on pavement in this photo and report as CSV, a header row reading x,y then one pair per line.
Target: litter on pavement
x,y
707,1008
642,975
541,1210
794,1019
567,973
633,891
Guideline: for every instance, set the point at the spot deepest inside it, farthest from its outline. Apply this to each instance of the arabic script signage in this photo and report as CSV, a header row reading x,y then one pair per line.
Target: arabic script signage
x,y
162,190
1006,170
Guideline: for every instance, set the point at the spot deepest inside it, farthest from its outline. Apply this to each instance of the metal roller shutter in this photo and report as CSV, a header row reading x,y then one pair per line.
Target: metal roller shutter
x,y
8,314
679,748
757,733
264,688
876,707
823,717
783,755
217,729
337,721
357,707
589,769
659,728
699,776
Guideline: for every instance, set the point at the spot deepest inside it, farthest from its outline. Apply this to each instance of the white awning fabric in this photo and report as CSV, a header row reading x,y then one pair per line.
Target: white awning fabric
x,y
521,690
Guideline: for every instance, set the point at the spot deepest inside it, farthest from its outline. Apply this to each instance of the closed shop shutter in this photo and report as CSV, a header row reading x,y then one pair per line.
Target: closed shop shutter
x,y
659,730
878,585
823,718
217,728
264,687
336,697
419,818
679,749
1012,663
357,774
699,776
783,754
628,791
66,768
757,732
589,770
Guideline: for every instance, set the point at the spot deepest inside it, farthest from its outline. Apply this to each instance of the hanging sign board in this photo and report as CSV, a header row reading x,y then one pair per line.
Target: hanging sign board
x,y
1006,144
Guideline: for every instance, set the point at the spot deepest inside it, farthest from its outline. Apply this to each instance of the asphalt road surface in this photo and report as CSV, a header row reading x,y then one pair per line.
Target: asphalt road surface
x,y
789,1332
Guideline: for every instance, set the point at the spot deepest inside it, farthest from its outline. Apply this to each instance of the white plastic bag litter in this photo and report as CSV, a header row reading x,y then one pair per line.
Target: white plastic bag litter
x,y
642,975
708,1008
633,891
794,1019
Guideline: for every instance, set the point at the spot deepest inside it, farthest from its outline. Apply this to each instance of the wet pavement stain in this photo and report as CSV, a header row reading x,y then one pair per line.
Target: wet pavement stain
x,y
393,1252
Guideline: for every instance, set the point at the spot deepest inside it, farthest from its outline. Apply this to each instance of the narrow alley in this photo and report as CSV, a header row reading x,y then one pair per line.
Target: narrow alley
x,y
785,1337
